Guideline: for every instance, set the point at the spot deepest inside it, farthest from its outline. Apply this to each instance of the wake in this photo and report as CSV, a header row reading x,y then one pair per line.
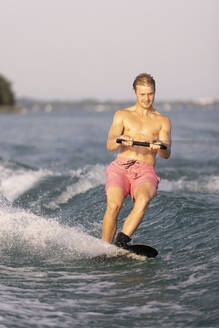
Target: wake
x,y
55,189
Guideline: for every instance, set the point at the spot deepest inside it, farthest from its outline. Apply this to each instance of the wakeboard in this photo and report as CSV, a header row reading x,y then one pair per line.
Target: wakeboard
x,y
143,250
138,251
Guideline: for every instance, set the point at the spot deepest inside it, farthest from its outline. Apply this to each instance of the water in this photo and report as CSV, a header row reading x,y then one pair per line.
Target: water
x,y
51,207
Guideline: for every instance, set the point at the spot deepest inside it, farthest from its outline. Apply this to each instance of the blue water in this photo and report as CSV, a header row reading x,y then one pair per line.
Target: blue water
x,y
52,175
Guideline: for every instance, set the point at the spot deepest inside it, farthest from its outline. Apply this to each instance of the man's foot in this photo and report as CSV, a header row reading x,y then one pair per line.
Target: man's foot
x,y
122,240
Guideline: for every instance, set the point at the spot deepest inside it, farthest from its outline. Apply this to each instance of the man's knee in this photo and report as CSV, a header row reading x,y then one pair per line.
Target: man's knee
x,y
142,201
113,206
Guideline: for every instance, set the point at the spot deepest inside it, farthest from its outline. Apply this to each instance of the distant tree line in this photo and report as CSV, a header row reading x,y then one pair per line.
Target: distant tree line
x,y
7,97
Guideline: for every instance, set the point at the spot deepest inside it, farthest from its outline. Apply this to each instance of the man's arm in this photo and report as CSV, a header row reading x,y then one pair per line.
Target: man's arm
x,y
165,138
115,131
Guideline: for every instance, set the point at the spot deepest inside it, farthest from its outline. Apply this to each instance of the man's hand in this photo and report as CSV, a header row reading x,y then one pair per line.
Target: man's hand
x,y
128,141
155,145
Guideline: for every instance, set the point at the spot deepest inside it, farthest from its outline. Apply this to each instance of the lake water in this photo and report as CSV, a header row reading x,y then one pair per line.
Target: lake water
x,y
52,201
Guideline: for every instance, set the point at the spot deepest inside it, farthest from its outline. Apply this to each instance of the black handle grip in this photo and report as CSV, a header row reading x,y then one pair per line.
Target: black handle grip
x,y
142,143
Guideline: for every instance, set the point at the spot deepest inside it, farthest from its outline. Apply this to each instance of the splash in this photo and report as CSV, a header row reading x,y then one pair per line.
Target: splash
x,y
25,234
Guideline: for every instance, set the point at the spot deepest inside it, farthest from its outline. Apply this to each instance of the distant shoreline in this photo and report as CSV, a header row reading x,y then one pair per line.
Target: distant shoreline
x,y
111,105
24,105
13,109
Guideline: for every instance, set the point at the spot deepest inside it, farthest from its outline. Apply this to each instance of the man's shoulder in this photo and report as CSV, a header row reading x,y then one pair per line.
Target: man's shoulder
x,y
125,111
162,117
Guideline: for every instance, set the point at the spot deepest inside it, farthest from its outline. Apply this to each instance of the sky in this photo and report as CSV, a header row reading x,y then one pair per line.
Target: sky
x,y
79,49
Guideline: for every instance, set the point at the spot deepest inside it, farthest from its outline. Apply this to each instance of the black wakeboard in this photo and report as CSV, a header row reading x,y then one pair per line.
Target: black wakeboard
x,y
143,250
139,251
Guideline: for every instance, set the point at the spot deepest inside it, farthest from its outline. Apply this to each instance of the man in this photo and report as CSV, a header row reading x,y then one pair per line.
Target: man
x,y
133,170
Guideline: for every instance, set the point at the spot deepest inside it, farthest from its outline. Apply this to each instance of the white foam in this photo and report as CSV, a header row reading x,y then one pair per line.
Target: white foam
x,y
15,183
38,236
89,177
208,184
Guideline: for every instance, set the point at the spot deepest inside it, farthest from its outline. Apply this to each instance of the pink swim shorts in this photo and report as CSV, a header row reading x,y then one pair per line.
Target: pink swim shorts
x,y
129,174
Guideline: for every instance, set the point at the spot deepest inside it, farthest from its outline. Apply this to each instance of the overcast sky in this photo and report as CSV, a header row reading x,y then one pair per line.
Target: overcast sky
x,y
75,49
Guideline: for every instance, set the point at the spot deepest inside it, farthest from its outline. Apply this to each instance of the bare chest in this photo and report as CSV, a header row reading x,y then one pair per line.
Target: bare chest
x,y
142,128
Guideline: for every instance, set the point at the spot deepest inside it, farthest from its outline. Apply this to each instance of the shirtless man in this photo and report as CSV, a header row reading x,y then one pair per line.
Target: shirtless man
x,y
133,170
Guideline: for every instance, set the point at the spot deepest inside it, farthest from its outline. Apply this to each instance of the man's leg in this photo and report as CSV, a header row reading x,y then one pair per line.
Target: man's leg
x,y
115,198
142,195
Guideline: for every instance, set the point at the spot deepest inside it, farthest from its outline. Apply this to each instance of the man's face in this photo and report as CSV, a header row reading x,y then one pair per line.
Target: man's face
x,y
145,95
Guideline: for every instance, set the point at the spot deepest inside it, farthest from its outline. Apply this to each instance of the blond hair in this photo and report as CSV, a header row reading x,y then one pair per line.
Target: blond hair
x,y
142,79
